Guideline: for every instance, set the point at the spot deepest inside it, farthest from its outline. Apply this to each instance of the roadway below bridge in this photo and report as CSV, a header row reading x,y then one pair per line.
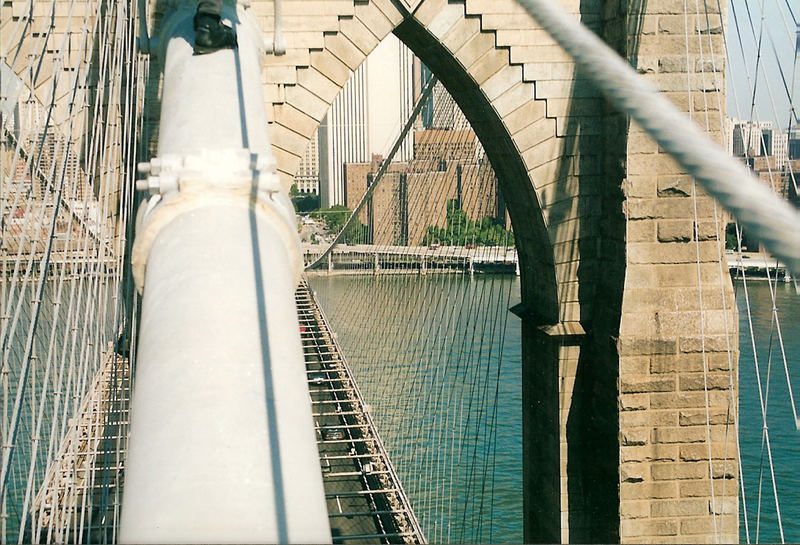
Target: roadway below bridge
x,y
366,501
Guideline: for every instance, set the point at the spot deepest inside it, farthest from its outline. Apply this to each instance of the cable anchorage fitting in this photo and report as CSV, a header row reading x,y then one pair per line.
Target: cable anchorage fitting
x,y
181,183
213,170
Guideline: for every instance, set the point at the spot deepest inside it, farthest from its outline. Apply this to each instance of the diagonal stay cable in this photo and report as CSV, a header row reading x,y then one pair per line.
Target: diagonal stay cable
x,y
767,216
381,171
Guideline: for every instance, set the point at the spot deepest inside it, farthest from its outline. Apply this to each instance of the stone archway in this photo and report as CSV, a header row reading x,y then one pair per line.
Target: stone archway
x,y
608,244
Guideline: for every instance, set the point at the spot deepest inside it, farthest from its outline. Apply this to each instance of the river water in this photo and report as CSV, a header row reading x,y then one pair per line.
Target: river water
x,y
470,489
445,386
784,437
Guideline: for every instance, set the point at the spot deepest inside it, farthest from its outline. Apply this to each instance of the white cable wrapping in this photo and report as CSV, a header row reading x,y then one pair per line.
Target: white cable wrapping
x,y
768,217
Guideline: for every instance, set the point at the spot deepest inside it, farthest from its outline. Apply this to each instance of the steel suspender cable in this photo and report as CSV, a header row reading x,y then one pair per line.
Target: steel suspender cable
x,y
435,334
768,217
417,109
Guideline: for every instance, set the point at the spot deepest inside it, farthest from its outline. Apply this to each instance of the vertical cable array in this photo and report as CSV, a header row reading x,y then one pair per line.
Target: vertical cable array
x,y
761,42
69,133
423,326
423,329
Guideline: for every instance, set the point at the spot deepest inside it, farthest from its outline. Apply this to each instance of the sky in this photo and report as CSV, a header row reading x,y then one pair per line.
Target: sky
x,y
775,23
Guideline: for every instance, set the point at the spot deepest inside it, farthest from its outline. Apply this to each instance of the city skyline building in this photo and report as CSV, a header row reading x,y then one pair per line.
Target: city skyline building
x,y
366,117
772,155
307,177
415,195
750,138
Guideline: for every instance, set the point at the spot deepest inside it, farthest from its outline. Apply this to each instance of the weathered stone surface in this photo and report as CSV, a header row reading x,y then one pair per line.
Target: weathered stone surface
x,y
637,528
644,418
633,402
344,50
697,417
634,437
675,230
679,471
374,19
681,400
332,67
719,450
646,383
648,453
674,508
638,491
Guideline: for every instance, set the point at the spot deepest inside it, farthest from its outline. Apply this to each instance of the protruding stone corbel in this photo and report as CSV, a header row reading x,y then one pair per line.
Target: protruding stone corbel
x,y
567,332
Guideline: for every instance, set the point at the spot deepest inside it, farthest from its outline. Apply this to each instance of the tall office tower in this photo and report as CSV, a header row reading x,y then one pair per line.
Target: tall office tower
x,y
736,146
307,177
342,137
780,148
794,144
758,137
366,117
440,112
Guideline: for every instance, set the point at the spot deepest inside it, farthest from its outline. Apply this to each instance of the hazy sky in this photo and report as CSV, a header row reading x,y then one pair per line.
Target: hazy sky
x,y
775,22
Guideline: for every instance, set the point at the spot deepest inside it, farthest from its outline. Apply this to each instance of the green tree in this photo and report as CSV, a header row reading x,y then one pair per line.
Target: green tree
x,y
460,230
305,203
335,217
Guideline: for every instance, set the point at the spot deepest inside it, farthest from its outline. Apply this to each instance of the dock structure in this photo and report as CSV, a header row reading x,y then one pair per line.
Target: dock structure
x,y
366,502
755,265
352,259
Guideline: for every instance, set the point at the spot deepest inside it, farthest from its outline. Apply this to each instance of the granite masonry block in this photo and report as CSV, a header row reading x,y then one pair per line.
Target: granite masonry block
x,y
648,418
727,506
678,508
647,490
344,50
646,383
684,400
680,435
634,509
706,525
641,231
634,437
717,450
640,186
705,381
701,417
633,402
675,230
633,473
709,343
632,346
672,364
648,453
634,365
679,471
725,469
635,528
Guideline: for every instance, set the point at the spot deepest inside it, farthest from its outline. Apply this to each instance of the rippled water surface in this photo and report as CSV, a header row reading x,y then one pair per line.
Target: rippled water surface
x,y
503,521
